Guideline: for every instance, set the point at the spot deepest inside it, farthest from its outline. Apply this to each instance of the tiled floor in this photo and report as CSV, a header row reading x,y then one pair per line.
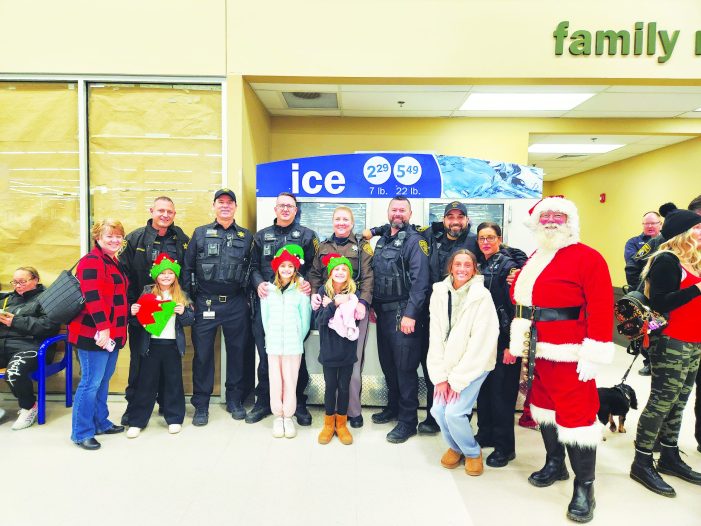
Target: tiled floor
x,y
233,473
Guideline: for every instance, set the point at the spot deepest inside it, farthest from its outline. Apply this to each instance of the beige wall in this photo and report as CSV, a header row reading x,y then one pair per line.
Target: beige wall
x,y
456,39
128,37
632,187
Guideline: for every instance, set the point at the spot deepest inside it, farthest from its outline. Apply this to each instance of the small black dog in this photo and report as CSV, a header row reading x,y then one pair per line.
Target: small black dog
x,y
616,401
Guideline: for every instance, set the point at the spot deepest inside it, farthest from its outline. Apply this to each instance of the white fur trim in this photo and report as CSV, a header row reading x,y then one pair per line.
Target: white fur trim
x,y
523,290
519,328
598,352
586,436
562,352
556,204
543,416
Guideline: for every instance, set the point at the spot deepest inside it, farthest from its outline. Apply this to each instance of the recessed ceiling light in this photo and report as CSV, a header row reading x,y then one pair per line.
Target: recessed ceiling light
x,y
573,148
524,101
697,109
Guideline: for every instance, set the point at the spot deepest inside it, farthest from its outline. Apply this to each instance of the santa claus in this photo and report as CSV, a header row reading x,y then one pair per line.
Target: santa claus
x,y
564,312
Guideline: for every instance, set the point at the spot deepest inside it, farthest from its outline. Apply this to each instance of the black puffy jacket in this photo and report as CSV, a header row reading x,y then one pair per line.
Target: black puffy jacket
x,y
495,270
30,326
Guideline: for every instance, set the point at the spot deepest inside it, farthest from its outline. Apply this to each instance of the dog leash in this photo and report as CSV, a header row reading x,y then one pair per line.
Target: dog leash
x,y
635,357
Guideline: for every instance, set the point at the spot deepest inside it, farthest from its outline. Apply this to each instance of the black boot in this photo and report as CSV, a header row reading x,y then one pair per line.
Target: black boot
x,y
644,472
670,463
555,468
583,460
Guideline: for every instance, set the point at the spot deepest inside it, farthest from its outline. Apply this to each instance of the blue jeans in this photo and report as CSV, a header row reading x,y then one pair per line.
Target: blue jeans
x,y
454,420
90,404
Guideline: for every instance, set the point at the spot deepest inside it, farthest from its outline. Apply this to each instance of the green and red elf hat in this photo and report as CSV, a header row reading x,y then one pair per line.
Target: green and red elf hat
x,y
163,262
332,260
291,253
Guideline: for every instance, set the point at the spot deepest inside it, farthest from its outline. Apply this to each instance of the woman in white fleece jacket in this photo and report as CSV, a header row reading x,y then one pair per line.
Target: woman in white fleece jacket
x,y
462,351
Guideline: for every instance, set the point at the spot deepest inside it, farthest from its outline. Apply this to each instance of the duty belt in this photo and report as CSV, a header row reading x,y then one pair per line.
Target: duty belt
x,y
392,305
540,314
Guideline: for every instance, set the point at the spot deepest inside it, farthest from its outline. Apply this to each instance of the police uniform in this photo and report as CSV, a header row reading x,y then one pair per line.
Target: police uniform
x,y
266,243
359,253
215,274
143,246
400,265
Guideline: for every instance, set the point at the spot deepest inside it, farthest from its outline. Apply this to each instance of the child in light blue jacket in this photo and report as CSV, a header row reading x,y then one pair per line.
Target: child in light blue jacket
x,y
286,314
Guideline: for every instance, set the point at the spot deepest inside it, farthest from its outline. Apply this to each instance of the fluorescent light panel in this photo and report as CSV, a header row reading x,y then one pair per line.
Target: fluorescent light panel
x,y
524,101
573,148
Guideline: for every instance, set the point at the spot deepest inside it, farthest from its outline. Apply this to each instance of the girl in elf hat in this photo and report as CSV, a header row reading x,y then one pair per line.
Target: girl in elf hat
x,y
286,314
161,312
337,353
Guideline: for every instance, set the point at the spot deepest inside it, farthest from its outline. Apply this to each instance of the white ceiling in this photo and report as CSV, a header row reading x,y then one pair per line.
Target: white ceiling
x,y
640,102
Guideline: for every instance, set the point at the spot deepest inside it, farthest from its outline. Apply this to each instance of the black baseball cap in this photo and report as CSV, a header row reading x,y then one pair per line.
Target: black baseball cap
x,y
225,191
455,205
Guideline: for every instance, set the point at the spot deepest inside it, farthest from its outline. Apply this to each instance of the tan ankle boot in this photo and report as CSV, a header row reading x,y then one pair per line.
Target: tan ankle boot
x,y
474,466
327,431
342,431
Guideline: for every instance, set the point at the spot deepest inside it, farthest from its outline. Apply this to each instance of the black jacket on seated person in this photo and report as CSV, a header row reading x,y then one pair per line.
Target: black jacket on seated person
x,y
30,326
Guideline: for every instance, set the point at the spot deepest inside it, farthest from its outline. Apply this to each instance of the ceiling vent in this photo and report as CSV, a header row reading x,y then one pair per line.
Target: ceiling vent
x,y
571,156
310,100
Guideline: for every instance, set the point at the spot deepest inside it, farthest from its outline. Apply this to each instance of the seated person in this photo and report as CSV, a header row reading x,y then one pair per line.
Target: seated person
x,y
23,327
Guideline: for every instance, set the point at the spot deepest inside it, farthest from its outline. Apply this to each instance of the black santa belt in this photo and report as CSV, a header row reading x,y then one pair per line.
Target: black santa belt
x,y
531,336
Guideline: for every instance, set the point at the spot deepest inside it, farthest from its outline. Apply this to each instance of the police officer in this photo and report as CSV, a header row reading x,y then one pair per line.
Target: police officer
x,y
443,238
401,270
216,272
267,242
359,252
143,246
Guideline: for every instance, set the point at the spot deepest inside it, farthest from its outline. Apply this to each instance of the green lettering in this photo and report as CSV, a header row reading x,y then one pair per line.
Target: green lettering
x,y
560,34
581,43
698,43
613,38
638,45
651,38
667,45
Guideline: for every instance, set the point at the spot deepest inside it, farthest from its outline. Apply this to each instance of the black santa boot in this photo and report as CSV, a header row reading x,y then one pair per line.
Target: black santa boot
x,y
583,460
554,468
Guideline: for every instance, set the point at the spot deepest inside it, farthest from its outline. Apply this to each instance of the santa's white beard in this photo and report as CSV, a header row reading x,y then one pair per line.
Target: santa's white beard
x,y
552,236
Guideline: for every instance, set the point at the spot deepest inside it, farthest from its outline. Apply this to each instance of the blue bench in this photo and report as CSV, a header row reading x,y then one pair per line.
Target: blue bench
x,y
45,370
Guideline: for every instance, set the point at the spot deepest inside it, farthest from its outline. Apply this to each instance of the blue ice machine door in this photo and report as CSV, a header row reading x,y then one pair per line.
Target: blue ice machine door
x,y
366,182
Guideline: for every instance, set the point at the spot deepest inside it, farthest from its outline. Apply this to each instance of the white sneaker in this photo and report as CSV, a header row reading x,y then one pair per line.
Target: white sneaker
x,y
278,427
174,428
133,432
290,429
26,418
2,413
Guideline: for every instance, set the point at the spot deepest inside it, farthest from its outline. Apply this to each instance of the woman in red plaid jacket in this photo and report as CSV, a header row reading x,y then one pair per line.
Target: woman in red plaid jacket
x,y
98,332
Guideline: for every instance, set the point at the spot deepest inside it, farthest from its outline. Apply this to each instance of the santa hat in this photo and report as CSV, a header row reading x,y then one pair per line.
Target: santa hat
x,y
332,260
290,253
164,262
555,203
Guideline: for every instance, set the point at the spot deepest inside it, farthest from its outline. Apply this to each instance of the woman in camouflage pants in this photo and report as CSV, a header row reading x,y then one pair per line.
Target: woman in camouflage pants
x,y
674,287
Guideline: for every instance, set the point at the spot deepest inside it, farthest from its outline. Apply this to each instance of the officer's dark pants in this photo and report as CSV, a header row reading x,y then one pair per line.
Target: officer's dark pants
x,y
495,405
263,387
134,367
400,355
161,370
424,368
234,319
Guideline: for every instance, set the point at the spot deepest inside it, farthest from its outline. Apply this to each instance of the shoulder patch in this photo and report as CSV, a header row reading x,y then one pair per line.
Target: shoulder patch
x,y
423,245
315,242
367,249
421,228
644,251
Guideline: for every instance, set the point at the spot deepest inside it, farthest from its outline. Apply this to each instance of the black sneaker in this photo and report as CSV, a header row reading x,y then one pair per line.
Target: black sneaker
x,y
303,416
236,409
201,417
401,433
384,416
645,371
356,421
258,413
429,427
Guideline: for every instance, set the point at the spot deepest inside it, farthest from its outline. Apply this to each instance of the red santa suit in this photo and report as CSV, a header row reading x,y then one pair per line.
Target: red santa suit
x,y
574,275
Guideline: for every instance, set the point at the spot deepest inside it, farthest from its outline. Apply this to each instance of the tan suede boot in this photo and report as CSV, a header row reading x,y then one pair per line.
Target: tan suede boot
x,y
474,466
327,431
342,431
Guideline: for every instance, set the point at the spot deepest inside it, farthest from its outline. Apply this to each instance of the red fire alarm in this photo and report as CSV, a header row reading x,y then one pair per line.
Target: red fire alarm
x,y
602,198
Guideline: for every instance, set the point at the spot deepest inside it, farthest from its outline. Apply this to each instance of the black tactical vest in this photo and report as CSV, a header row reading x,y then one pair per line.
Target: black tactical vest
x,y
273,241
223,257
392,280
